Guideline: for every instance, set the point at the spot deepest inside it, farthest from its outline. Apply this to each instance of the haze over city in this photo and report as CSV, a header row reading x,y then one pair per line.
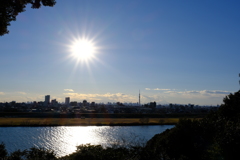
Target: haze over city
x,y
172,51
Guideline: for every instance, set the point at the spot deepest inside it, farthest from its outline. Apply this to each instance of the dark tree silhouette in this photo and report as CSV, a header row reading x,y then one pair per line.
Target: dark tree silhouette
x,y
216,136
3,151
9,9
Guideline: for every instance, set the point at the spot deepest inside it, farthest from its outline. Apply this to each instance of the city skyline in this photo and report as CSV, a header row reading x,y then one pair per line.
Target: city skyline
x,y
172,51
48,100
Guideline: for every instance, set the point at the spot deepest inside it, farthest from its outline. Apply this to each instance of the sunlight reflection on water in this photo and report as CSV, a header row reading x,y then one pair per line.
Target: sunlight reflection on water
x,y
63,140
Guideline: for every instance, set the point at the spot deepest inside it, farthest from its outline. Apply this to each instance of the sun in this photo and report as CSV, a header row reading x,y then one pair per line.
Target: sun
x,y
83,49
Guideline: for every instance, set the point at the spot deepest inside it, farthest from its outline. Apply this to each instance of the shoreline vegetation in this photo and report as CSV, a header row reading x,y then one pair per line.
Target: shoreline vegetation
x,y
53,119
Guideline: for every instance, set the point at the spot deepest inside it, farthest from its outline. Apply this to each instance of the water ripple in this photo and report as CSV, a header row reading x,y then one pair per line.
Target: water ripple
x,y
63,140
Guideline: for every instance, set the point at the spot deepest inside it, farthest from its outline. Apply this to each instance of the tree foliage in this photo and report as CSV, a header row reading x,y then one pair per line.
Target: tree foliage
x,y
96,152
217,136
9,9
3,151
185,141
30,154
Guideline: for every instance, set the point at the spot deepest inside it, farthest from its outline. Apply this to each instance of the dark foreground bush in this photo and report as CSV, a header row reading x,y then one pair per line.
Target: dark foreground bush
x,y
30,154
97,152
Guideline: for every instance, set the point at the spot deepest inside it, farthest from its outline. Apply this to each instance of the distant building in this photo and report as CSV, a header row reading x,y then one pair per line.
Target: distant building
x,y
54,101
84,102
47,100
67,101
74,103
153,104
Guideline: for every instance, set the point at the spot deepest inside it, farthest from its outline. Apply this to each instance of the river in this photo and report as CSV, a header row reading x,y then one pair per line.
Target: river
x,y
63,140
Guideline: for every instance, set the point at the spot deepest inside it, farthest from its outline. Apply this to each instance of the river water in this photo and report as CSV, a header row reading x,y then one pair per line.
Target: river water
x,y
63,140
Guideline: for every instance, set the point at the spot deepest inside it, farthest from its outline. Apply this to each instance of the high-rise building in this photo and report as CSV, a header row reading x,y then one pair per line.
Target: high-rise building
x,y
47,99
67,101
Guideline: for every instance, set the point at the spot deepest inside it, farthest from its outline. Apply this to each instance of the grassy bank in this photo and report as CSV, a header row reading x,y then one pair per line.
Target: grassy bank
x,y
85,121
97,115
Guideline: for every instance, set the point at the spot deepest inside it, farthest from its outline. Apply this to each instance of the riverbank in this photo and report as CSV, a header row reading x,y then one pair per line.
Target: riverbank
x,y
9,121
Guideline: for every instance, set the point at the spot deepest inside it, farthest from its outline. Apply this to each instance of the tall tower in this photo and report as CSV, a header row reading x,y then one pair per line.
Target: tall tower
x,y
139,102
67,101
47,100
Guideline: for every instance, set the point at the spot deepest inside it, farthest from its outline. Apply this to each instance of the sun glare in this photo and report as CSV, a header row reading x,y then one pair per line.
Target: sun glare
x,y
83,49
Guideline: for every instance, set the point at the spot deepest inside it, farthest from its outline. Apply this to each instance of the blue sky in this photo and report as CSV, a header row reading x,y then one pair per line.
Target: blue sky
x,y
172,51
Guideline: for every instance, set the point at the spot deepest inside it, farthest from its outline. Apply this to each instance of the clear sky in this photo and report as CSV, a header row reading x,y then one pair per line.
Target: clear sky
x,y
172,51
